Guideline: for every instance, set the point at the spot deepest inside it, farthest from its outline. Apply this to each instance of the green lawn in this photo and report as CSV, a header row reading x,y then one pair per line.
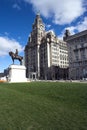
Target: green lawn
x,y
43,106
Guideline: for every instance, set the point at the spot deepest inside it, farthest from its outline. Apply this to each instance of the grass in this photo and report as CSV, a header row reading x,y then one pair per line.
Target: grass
x,y
43,106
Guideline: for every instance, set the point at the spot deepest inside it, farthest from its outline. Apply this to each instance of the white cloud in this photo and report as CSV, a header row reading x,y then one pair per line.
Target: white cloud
x,y
6,33
16,6
47,26
7,44
61,11
71,29
81,26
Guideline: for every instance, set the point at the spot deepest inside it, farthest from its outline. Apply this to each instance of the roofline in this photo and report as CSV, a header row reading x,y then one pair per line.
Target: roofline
x,y
77,35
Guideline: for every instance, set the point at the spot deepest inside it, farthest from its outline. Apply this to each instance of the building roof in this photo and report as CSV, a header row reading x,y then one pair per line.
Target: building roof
x,y
77,35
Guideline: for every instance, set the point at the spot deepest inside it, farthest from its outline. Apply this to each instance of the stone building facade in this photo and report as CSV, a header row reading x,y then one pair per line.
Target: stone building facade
x,y
46,57
53,57
77,49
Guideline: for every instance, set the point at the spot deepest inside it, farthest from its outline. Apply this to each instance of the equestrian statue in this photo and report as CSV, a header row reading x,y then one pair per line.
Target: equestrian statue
x,y
16,56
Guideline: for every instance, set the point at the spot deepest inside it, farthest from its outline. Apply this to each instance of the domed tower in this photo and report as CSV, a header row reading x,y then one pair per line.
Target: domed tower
x,y
66,34
32,49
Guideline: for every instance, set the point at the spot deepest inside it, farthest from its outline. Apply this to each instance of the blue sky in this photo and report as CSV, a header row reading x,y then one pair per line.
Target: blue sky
x,y
17,17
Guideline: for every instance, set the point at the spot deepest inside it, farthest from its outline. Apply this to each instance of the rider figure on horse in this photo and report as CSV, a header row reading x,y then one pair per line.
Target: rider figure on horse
x,y
16,53
16,56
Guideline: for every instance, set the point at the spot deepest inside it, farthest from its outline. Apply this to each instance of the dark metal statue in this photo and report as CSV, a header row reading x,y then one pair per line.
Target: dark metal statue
x,y
16,56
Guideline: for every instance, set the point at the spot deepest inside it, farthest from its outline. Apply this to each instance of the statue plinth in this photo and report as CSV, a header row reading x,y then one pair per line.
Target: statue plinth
x,y
17,73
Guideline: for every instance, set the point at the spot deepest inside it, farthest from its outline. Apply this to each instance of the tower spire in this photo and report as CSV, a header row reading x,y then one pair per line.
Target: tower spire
x,y
38,12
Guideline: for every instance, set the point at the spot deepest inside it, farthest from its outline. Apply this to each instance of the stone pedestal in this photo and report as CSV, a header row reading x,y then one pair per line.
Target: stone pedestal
x,y
17,73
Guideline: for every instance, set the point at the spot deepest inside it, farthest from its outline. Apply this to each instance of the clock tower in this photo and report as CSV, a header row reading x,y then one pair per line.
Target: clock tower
x,y
34,41
38,29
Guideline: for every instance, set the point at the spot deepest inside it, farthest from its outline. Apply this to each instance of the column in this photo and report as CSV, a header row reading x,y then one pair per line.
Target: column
x,y
48,54
38,61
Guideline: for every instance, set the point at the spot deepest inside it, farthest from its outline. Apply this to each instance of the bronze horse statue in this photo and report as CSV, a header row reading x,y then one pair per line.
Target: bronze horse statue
x,y
15,56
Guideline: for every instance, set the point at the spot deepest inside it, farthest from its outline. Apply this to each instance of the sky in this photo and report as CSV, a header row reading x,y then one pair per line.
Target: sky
x,y
17,17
